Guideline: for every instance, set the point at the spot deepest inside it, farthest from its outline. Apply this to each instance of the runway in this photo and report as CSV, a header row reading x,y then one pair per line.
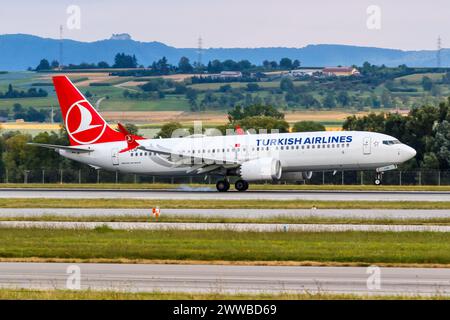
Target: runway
x,y
232,213
192,194
227,278
239,227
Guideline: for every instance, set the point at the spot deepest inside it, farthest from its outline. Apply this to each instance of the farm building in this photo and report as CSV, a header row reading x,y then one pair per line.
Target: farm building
x,y
226,75
340,71
304,72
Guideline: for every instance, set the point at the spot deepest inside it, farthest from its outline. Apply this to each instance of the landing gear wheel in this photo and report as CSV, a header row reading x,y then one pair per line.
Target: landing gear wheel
x,y
222,185
378,179
241,185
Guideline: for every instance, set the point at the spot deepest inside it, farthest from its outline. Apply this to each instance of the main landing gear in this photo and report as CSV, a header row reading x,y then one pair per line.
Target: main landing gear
x,y
378,178
224,185
241,185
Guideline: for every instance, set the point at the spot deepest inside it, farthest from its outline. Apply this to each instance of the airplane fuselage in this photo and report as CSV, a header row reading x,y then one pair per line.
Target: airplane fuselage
x,y
309,151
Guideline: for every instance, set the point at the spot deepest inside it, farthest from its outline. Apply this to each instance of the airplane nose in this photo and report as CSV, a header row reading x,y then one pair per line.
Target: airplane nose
x,y
409,152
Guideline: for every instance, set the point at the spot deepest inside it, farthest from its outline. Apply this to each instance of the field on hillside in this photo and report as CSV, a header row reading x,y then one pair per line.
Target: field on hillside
x,y
149,122
153,112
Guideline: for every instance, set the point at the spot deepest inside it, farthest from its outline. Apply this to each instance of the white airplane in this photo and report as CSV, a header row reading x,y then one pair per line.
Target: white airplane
x,y
249,157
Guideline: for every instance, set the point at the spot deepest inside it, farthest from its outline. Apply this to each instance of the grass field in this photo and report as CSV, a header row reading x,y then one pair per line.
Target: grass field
x,y
417,77
26,294
360,248
216,86
116,102
172,103
218,204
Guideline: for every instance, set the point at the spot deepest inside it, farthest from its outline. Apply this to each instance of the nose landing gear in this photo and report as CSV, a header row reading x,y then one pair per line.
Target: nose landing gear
x,y
378,178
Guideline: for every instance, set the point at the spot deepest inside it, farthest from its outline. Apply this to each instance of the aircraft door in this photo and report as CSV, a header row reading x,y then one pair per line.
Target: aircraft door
x,y
115,157
367,145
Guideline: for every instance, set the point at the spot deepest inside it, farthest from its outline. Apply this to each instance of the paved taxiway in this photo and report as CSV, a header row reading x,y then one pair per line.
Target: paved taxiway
x,y
241,227
226,278
232,213
205,194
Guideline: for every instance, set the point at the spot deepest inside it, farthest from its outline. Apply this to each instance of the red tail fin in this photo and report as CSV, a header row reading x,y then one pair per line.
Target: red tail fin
x,y
83,123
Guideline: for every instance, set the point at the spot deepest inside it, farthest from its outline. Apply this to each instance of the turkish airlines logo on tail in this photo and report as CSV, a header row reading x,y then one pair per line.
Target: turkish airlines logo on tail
x,y
83,125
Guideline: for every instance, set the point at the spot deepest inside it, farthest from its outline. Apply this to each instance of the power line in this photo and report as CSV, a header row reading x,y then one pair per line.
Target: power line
x,y
60,47
200,51
438,52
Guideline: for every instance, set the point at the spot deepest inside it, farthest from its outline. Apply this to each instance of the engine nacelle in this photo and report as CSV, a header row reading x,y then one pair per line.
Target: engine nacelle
x,y
261,169
296,176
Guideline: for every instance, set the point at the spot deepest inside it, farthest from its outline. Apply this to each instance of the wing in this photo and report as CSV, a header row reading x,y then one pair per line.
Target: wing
x,y
199,165
57,147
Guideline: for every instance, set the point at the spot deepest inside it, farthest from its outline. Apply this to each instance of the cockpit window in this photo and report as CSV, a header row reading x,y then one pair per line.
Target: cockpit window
x,y
391,142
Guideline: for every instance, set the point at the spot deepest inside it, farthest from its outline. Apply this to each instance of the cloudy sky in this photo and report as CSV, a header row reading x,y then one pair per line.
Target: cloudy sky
x,y
398,24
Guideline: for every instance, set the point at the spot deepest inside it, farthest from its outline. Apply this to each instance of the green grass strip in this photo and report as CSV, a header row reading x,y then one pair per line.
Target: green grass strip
x,y
26,294
217,204
344,247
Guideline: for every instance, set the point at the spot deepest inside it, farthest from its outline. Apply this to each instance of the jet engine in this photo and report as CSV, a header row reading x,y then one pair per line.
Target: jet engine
x,y
260,169
296,176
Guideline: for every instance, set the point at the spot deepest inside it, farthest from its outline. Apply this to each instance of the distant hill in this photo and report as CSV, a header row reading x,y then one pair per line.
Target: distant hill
x,y
20,51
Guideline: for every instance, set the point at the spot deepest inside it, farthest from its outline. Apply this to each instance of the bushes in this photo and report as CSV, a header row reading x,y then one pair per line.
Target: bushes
x,y
31,93
99,84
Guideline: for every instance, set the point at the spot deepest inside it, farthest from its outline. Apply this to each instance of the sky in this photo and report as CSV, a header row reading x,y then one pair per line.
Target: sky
x,y
398,24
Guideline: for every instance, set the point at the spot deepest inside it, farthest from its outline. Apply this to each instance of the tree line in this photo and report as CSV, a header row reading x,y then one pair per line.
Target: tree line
x,y
426,129
30,114
163,67
12,93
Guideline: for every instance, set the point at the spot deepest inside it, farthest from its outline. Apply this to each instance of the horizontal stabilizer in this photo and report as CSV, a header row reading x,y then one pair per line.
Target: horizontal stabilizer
x,y
57,147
